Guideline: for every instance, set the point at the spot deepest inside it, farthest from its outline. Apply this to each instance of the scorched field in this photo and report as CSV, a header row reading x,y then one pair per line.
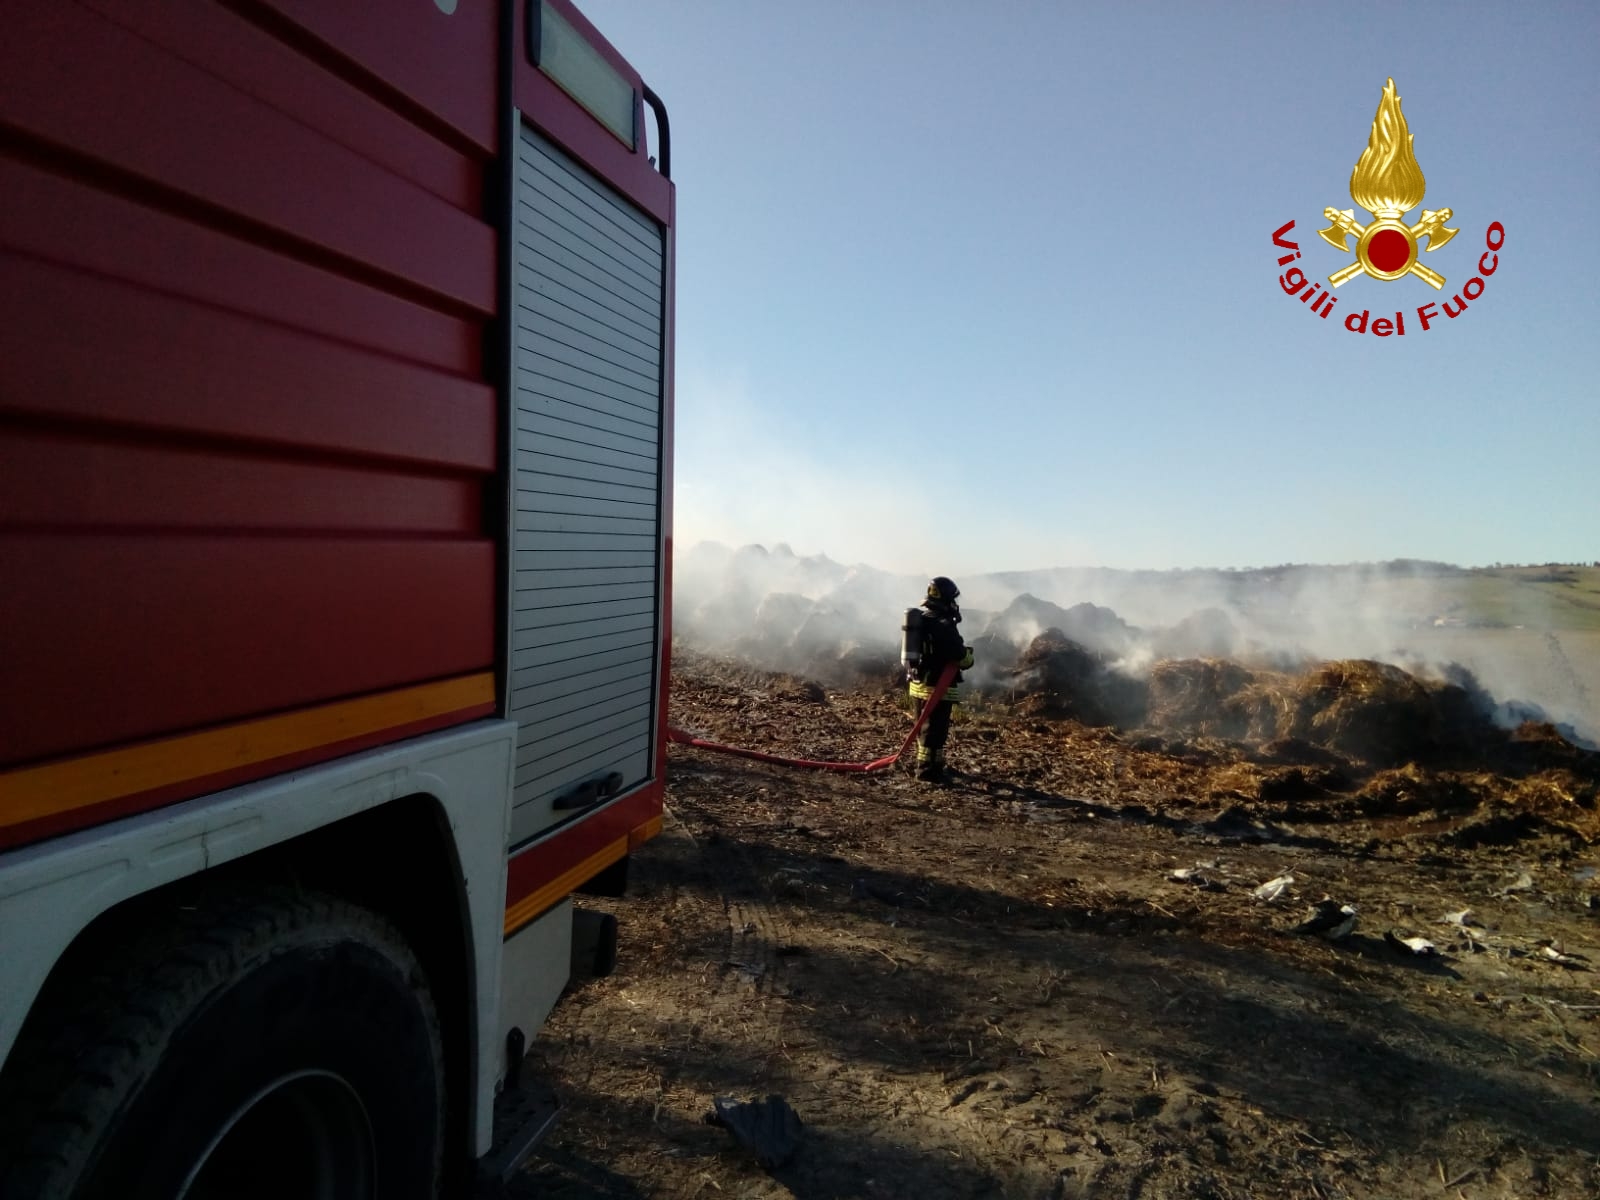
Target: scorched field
x,y
1248,935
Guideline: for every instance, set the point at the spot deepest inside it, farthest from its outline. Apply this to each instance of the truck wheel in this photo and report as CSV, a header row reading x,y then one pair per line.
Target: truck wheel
x,y
269,1044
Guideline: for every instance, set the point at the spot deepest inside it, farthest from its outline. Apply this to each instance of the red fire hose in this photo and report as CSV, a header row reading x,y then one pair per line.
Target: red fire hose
x,y
877,764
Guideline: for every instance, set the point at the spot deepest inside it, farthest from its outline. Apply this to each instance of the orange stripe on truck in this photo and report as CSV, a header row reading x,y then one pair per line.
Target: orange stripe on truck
x,y
535,902
545,894
33,794
640,834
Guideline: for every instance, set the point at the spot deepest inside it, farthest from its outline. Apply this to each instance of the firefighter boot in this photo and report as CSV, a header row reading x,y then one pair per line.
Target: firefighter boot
x,y
930,765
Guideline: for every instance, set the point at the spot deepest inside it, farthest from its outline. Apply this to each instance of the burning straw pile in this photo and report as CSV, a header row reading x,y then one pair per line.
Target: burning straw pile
x,y
1365,711
1206,697
1368,711
1062,679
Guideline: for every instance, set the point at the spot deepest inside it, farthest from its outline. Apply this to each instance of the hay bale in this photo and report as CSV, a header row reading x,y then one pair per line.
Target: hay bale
x,y
1539,745
1060,678
1188,695
1367,710
1264,710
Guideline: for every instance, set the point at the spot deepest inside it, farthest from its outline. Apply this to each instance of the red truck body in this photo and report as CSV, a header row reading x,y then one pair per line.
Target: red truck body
x,y
268,497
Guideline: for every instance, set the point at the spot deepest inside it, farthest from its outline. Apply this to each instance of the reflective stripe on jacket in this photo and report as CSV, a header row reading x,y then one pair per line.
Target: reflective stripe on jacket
x,y
921,691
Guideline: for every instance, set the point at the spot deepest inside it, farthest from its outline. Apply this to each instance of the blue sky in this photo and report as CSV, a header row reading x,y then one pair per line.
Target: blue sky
x,y
985,286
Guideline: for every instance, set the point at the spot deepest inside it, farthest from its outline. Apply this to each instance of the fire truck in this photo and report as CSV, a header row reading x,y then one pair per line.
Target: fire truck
x,y
335,545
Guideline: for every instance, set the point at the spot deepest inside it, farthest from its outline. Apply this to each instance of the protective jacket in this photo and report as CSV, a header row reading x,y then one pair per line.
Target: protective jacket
x,y
941,646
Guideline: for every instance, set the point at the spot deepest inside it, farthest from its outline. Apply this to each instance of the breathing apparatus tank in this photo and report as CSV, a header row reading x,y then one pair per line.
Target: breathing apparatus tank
x,y
911,639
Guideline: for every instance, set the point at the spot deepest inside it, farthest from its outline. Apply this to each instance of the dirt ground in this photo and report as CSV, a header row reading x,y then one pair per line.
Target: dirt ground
x,y
1000,988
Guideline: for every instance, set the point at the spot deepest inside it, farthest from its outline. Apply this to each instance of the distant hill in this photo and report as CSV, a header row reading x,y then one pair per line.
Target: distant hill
x,y
1285,600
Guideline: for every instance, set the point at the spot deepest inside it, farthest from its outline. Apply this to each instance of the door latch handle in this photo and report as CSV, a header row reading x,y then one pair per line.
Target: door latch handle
x,y
591,792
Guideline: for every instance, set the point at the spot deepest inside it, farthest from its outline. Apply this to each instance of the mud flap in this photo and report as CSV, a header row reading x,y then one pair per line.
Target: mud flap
x,y
594,944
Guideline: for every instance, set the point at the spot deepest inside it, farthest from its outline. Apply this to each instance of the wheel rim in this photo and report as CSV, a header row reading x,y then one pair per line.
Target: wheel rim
x,y
304,1134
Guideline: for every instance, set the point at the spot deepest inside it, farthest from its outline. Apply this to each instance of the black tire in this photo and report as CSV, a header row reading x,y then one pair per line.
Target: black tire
x,y
268,1043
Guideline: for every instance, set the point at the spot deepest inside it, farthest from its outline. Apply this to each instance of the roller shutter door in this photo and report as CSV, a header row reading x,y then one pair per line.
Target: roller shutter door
x,y
586,452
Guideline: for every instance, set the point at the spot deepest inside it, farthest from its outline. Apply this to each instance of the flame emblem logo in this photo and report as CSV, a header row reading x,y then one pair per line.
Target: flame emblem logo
x,y
1388,183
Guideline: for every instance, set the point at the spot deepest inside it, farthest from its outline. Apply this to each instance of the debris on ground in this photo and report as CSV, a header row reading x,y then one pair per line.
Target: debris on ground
x,y
1329,919
1554,953
769,1128
1202,875
1419,946
1274,889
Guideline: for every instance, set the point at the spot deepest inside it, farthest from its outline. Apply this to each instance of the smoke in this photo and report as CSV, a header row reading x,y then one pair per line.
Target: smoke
x,y
811,614
787,611
748,472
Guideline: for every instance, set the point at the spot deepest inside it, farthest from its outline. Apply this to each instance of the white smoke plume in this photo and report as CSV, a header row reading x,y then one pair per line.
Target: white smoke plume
x,y
813,615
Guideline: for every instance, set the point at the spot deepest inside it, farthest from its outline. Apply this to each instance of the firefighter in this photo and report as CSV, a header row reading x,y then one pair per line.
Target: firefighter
x,y
940,645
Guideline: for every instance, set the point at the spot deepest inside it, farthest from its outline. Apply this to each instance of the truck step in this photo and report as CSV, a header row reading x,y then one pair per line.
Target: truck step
x,y
524,1114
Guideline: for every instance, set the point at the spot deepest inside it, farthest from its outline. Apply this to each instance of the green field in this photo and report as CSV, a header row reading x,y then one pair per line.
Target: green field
x,y
1552,599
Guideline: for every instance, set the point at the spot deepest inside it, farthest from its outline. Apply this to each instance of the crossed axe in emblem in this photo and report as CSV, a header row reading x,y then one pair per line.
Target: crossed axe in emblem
x,y
1431,226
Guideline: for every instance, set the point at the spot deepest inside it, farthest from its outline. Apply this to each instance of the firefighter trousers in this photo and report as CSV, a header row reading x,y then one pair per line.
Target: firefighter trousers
x,y
930,742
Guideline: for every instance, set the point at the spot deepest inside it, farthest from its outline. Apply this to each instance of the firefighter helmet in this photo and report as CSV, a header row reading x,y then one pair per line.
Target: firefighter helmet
x,y
943,590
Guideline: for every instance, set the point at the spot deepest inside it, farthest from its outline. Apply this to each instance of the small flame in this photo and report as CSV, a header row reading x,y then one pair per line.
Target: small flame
x,y
1387,180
